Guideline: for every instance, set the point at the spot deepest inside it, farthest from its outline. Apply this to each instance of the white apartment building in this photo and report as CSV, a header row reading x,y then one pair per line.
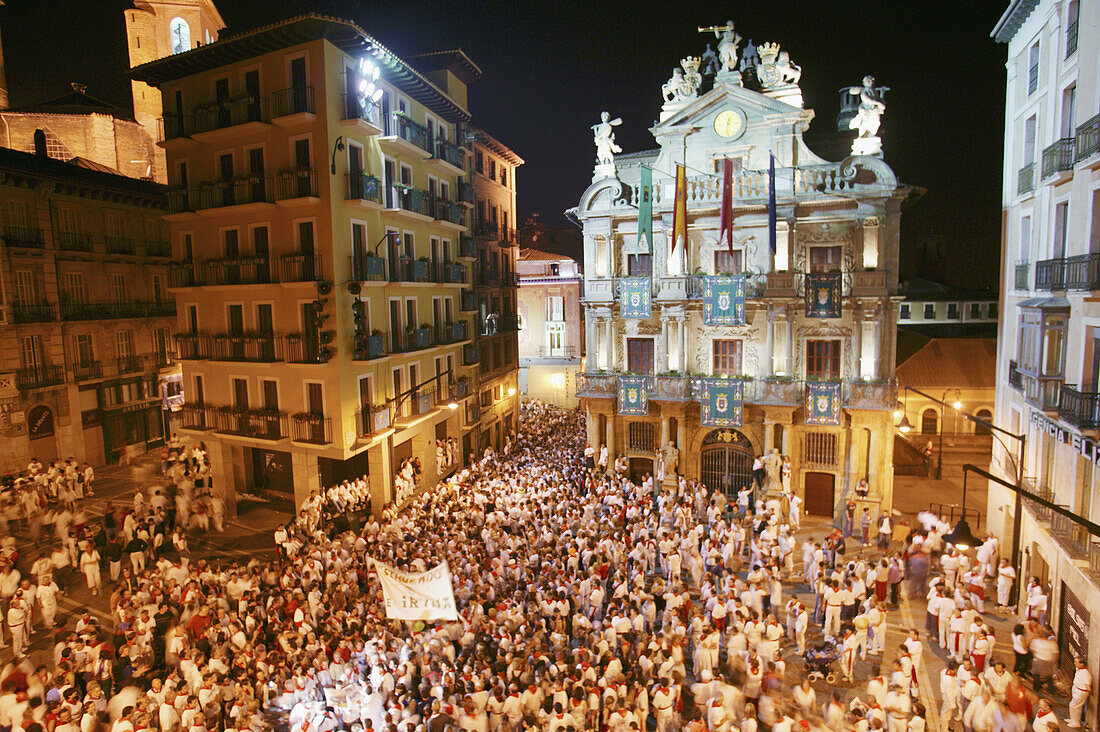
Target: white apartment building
x,y
1048,365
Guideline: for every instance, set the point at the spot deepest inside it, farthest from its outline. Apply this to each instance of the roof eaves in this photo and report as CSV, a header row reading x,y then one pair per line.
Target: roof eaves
x,y
1014,17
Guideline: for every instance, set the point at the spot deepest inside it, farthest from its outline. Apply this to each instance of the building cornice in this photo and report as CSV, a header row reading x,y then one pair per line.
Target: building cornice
x,y
1014,17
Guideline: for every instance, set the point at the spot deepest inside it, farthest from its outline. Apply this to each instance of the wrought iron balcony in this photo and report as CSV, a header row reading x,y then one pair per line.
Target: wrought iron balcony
x,y
315,429
470,355
1071,535
353,110
306,348
1050,274
252,348
1015,376
448,333
225,113
453,273
237,271
444,210
466,248
110,310
372,419
263,424
1025,179
237,191
300,267
416,404
196,417
293,100
448,153
39,377
416,339
87,369
399,124
368,268
33,312
1083,272
120,245
1088,139
370,347
364,187
870,395
466,192
71,241
24,236
1023,272
1058,157
410,270
1081,409
406,198
172,126
192,346
468,301
296,183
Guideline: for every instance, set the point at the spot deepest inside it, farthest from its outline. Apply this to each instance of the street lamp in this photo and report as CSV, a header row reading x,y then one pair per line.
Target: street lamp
x,y
960,536
903,424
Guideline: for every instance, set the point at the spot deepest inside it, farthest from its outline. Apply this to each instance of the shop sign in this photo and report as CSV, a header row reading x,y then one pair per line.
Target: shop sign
x,y
1075,626
91,418
40,419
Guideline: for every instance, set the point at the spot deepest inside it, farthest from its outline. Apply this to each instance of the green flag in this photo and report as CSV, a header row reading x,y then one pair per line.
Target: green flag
x,y
645,210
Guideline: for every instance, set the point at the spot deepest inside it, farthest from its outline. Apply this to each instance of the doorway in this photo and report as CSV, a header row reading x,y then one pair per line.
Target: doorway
x,y
727,457
820,493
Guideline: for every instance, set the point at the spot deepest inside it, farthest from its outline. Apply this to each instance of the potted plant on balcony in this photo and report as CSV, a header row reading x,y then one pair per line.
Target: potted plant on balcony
x,y
376,344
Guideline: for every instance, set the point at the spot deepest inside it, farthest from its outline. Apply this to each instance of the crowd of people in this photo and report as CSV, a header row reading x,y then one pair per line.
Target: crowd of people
x,y
586,602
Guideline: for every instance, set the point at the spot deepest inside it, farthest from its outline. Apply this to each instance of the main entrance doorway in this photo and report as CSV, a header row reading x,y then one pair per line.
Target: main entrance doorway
x,y
819,493
727,461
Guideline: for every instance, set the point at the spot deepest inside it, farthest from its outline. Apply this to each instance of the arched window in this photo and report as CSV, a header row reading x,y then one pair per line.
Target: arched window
x,y
180,34
929,421
986,415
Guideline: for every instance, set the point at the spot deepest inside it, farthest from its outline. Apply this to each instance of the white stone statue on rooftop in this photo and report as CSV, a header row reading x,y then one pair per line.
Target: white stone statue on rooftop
x,y
867,119
673,89
604,136
728,39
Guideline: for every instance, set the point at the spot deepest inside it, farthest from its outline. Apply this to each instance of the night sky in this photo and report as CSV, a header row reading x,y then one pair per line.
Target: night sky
x,y
550,68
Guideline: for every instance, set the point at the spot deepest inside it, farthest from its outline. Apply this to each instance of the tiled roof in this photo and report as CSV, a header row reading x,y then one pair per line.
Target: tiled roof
x,y
533,255
959,363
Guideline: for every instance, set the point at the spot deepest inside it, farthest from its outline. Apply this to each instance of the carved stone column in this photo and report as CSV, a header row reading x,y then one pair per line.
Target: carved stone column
x,y
870,241
788,343
783,247
769,345
857,340
681,325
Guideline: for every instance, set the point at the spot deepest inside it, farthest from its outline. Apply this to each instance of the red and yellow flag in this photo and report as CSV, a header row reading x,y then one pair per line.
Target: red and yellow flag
x,y
679,215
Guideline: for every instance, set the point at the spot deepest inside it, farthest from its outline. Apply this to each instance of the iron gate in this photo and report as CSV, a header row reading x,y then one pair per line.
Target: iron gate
x,y
727,458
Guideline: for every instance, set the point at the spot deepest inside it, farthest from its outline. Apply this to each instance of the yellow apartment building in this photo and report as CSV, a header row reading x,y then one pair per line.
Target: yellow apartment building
x,y
323,272
551,336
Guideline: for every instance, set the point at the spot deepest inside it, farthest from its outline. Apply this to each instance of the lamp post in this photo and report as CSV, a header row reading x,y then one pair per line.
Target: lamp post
x,y
961,536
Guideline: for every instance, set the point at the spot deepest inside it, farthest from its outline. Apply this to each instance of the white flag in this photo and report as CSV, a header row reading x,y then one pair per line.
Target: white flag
x,y
417,595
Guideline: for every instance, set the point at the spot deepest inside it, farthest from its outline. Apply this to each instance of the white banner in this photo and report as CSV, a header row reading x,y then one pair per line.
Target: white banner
x,y
418,595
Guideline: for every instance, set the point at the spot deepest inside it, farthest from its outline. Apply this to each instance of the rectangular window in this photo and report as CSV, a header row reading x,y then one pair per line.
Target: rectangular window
x,y
269,391
823,360
124,344
112,225
639,265
641,437
1031,127
17,214
1033,69
1025,239
158,289
199,397
68,221
727,262
929,311
119,288
479,161
904,311
305,237
555,308
1061,221
991,311
727,357
820,449
1073,13
975,311
240,393
825,259
952,311
75,290
25,291
1069,112
83,350
30,352
639,355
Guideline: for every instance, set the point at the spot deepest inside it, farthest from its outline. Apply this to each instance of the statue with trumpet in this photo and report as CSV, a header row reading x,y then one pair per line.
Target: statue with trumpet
x,y
727,44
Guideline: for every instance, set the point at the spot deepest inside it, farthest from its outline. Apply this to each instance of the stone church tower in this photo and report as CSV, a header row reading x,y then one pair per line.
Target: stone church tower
x,y
159,28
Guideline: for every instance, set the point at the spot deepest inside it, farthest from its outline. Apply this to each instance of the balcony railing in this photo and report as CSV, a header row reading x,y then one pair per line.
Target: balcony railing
x,y
466,192
84,370
1070,534
444,210
71,241
196,417
448,152
398,124
1094,561
304,348
856,394
1081,409
452,332
1058,157
293,100
315,429
33,313
237,271
119,245
192,346
1088,139
1015,376
72,311
1025,179
371,419
468,301
370,347
1042,391
368,268
410,270
470,355
409,199
296,183
354,110
408,341
172,126
466,247
1023,271
453,273
237,191
300,267
413,405
253,348
1083,272
229,113
24,236
364,187
557,352
264,424
38,377
1050,274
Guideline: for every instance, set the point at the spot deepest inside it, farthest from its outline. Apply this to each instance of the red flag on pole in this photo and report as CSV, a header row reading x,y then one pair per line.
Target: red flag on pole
x,y
680,210
726,227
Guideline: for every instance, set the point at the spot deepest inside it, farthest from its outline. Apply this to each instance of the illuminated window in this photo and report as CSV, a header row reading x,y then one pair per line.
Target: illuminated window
x,y
180,34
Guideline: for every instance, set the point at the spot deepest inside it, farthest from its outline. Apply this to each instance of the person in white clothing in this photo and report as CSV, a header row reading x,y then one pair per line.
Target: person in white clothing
x,y
1006,575
1079,696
